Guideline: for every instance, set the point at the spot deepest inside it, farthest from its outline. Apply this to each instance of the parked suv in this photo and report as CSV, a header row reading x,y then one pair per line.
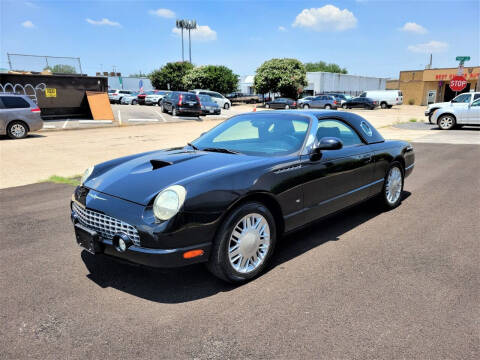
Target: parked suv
x,y
115,95
156,98
18,115
321,102
221,100
462,101
179,102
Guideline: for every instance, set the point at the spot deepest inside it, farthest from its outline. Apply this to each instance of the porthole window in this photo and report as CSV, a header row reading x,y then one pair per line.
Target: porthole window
x,y
366,129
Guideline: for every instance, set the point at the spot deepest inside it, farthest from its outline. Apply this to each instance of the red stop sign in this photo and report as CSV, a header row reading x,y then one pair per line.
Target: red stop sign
x,y
458,83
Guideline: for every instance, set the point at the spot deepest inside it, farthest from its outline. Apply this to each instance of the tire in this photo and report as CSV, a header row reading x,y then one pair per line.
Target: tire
x,y
446,122
162,108
17,130
287,107
231,267
226,106
134,102
267,106
344,106
120,100
391,195
383,105
159,102
306,106
328,107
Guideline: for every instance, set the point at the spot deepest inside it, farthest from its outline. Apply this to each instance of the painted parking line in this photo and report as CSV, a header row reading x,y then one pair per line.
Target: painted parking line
x,y
49,127
161,115
185,118
143,120
65,123
95,121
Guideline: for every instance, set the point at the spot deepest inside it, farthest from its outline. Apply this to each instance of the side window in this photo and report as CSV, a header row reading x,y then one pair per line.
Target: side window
x,y
476,103
364,94
476,96
338,129
14,102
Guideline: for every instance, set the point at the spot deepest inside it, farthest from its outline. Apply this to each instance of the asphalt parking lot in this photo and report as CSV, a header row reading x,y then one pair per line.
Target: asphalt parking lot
x,y
364,284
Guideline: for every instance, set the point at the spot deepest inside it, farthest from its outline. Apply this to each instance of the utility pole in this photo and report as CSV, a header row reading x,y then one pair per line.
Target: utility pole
x,y
180,24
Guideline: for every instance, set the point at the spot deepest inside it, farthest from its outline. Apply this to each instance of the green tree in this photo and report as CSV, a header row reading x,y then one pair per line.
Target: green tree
x,y
170,74
212,77
286,76
323,66
61,69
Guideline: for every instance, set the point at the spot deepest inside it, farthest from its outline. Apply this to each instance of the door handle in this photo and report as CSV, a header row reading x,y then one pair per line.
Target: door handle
x,y
367,159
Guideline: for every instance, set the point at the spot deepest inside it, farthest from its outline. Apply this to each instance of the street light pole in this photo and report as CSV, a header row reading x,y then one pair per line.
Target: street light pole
x,y
189,25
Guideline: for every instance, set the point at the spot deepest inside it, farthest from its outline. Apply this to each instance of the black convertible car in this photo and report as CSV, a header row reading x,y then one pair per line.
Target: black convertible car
x,y
228,196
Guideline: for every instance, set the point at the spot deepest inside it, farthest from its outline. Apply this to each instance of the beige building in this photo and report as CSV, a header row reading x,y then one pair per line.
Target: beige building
x,y
422,87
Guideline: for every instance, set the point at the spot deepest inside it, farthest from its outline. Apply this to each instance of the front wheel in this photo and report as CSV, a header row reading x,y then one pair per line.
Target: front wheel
x,y
393,186
306,106
134,102
383,105
267,106
244,243
226,106
446,122
17,130
344,106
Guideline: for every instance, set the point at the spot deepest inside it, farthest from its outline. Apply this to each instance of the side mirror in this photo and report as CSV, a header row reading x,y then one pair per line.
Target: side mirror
x,y
326,143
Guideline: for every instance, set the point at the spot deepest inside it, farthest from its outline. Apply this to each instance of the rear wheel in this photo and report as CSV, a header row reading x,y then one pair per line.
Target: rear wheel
x,y
328,107
393,186
344,106
244,243
446,122
162,108
17,130
306,106
134,102
159,102
383,105
267,106
287,107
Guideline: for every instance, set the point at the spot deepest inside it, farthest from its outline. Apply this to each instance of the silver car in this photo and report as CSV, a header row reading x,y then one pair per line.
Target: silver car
x,y
153,99
18,115
450,116
130,99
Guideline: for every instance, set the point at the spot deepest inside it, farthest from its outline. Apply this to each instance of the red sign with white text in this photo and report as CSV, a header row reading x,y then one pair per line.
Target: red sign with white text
x,y
458,83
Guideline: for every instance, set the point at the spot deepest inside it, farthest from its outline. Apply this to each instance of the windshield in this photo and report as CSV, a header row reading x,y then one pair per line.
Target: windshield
x,y
464,98
262,135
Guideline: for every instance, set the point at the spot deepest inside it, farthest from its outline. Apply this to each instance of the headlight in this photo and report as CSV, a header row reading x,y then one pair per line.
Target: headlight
x,y
86,174
168,202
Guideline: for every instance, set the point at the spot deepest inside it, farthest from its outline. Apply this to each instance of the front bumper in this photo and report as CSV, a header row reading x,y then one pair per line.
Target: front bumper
x,y
154,244
427,112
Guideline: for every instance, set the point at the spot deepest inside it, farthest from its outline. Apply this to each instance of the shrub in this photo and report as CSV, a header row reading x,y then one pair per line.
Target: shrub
x,y
411,101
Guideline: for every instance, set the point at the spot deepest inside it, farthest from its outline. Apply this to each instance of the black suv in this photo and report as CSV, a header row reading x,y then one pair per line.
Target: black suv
x,y
179,102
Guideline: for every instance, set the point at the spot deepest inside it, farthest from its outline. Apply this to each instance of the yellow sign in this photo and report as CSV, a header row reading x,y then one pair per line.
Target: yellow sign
x,y
50,92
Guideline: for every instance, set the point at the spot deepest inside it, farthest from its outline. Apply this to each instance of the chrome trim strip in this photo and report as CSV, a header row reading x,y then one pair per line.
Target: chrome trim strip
x,y
150,251
351,192
409,167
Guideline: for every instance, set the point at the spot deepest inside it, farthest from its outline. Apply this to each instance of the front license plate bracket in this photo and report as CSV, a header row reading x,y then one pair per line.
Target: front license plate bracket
x,y
88,239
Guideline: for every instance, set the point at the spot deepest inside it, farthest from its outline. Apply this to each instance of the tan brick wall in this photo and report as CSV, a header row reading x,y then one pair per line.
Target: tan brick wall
x,y
392,85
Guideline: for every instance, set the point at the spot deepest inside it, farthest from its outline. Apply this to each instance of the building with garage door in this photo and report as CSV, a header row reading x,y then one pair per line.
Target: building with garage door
x,y
422,87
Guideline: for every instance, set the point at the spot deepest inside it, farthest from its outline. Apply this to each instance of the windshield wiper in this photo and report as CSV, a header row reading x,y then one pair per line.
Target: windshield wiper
x,y
193,146
221,150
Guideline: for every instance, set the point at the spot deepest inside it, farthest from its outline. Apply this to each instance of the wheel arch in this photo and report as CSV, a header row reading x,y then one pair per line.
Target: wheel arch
x,y
446,113
268,200
18,120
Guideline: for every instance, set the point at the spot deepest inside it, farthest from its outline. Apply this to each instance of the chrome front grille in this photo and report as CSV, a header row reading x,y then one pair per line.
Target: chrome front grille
x,y
104,225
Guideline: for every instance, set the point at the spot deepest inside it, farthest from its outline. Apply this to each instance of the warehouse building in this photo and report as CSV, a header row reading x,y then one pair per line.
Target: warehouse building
x,y
423,87
321,82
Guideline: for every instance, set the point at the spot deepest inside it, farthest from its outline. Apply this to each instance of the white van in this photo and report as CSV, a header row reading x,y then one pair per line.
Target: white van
x,y
386,98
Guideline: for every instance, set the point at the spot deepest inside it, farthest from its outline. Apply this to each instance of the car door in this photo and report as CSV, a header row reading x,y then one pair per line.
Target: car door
x,y
317,103
340,178
278,103
474,113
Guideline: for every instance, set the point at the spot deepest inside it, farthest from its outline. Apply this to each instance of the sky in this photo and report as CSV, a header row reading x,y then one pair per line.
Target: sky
x,y
371,38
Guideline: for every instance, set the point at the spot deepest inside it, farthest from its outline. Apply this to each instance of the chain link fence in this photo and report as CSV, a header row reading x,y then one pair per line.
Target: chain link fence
x,y
39,63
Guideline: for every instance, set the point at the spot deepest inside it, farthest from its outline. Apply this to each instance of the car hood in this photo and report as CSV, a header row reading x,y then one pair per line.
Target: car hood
x,y
140,177
440,104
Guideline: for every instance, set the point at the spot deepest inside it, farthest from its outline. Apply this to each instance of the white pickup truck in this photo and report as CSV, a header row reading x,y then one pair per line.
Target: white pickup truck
x,y
462,100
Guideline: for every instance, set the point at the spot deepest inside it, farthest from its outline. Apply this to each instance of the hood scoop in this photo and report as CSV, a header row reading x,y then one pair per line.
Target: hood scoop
x,y
158,164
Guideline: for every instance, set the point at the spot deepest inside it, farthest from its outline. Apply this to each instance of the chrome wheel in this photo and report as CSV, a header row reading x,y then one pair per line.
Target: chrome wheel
x,y
18,130
393,187
446,122
249,243
306,106
328,107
